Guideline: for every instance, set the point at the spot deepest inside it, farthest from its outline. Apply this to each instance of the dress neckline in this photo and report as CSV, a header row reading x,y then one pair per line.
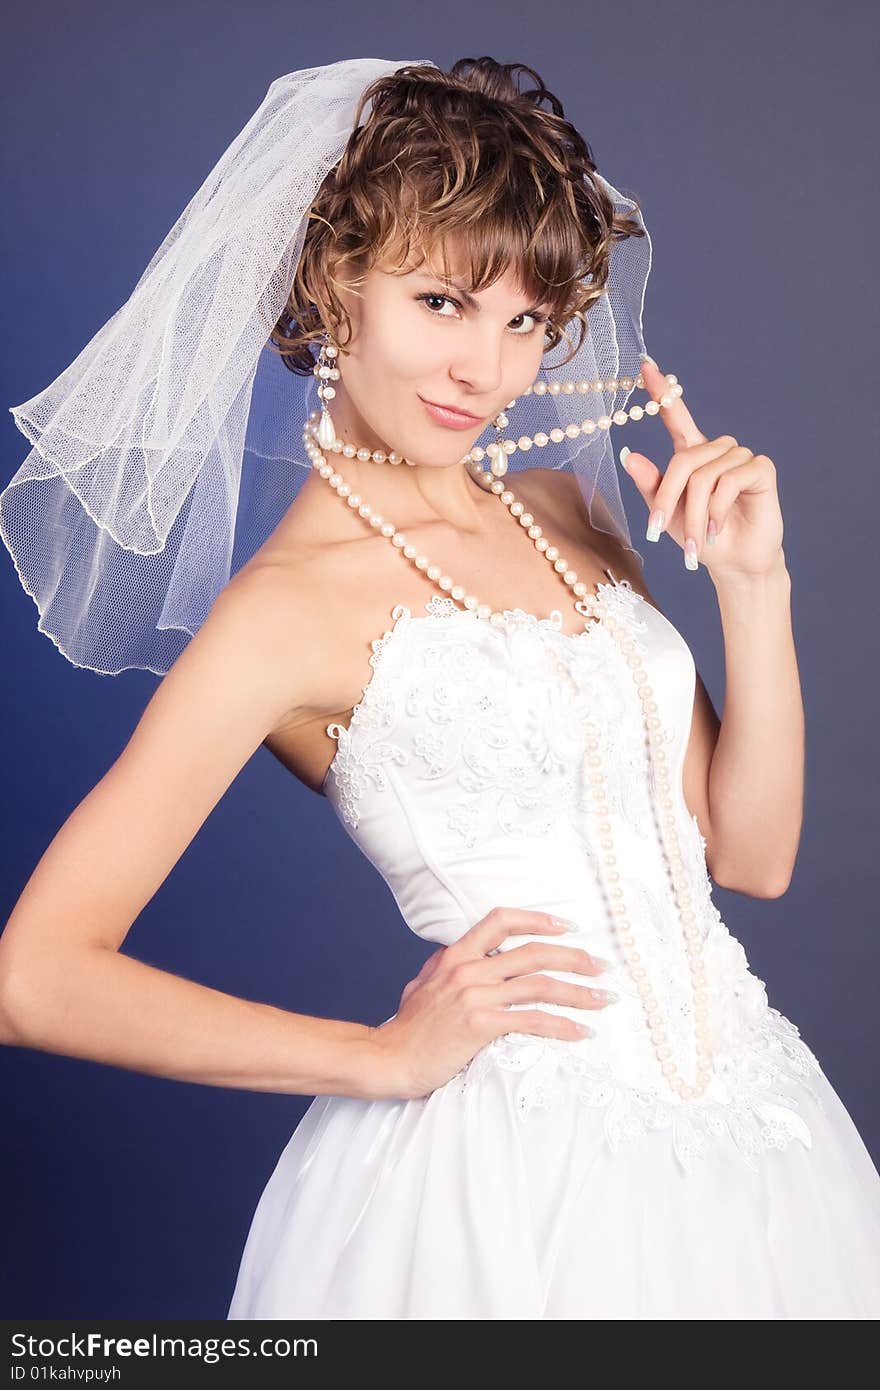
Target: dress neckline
x,y
440,608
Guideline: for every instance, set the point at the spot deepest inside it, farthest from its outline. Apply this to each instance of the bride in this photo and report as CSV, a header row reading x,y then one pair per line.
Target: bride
x,y
460,652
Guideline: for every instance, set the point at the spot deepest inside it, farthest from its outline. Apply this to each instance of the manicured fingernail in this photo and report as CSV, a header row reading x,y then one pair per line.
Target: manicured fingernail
x,y
644,357
605,996
711,531
624,455
600,960
655,526
564,924
690,554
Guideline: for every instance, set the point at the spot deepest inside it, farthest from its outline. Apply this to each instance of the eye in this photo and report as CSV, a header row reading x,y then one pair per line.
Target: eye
x,y
537,319
444,298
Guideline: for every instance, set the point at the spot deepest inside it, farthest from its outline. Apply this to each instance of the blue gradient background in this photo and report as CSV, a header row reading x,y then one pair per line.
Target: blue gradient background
x,y
746,132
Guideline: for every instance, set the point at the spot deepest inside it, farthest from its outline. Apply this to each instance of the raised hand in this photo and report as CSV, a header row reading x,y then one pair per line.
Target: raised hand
x,y
717,500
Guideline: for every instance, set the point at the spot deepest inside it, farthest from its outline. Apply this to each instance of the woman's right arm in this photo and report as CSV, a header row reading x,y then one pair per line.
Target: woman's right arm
x,y
65,987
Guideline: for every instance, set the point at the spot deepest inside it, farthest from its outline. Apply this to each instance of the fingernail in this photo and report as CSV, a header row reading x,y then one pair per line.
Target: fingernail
x,y
644,357
711,531
655,526
690,554
600,960
564,924
624,455
605,995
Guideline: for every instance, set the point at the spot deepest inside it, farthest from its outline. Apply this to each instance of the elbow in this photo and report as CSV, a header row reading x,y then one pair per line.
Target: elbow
x,y
768,884
10,1030
17,1011
767,887
774,888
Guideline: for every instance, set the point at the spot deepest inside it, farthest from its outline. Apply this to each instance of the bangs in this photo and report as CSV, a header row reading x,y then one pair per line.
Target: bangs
x,y
546,261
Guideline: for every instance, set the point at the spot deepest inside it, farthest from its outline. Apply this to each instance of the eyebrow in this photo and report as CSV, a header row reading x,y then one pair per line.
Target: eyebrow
x,y
466,296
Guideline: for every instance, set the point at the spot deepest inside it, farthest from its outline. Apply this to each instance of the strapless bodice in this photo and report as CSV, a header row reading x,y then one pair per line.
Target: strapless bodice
x,y
462,777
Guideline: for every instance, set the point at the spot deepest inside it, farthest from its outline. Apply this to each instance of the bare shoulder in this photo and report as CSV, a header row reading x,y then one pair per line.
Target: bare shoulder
x,y
278,616
557,492
241,663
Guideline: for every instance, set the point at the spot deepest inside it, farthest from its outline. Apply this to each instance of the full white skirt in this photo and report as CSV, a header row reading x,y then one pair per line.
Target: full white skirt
x,y
453,1206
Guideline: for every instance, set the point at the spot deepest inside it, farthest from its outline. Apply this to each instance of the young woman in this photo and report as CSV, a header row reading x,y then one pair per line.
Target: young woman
x,y
462,655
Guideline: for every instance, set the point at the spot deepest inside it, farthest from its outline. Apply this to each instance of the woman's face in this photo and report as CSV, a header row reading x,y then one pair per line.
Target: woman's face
x,y
415,339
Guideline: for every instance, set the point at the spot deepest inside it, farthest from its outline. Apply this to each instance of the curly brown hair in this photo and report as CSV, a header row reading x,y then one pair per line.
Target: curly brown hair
x,y
461,158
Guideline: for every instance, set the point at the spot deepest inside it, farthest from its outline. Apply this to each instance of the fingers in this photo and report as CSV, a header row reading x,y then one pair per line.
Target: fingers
x,y
542,1024
680,473
536,955
700,490
745,476
675,415
514,977
544,989
487,934
476,978
485,938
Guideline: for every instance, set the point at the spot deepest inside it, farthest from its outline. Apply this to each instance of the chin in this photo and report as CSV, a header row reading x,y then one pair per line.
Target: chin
x,y
433,453
434,459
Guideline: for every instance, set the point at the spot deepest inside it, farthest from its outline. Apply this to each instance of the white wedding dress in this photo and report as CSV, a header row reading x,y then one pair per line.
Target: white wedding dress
x,y
555,1179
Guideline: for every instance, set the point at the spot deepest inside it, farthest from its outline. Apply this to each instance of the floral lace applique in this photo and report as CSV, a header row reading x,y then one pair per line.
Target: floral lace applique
x,y
466,713
694,850
373,717
607,693
761,1069
470,736
519,764
514,765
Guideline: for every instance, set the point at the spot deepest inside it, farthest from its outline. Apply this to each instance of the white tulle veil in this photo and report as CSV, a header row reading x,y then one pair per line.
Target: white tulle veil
x,y
166,453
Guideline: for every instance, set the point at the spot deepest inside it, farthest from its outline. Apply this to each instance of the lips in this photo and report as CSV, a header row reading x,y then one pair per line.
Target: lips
x,y
450,415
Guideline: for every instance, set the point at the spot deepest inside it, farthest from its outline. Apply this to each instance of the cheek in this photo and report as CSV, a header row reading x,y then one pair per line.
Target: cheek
x,y
413,359
388,340
518,377
406,358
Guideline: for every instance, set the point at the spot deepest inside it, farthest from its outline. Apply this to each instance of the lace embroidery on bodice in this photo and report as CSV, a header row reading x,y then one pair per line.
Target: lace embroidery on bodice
x,y
465,714
512,766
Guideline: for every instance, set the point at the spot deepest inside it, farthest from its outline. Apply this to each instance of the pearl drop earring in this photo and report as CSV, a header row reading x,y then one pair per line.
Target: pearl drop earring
x,y
326,371
497,452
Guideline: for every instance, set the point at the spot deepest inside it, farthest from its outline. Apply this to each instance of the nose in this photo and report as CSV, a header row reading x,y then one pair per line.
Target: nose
x,y
478,364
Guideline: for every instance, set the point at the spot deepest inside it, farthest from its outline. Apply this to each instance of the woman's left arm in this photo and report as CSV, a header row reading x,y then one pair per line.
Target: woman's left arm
x,y
719,502
756,774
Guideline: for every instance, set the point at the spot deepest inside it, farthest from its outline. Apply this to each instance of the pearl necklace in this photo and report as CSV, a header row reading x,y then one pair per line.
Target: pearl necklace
x,y
499,452
590,606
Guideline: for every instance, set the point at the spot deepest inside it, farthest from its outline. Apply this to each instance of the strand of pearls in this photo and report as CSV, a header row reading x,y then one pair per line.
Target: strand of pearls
x,y
672,850
589,605
500,451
